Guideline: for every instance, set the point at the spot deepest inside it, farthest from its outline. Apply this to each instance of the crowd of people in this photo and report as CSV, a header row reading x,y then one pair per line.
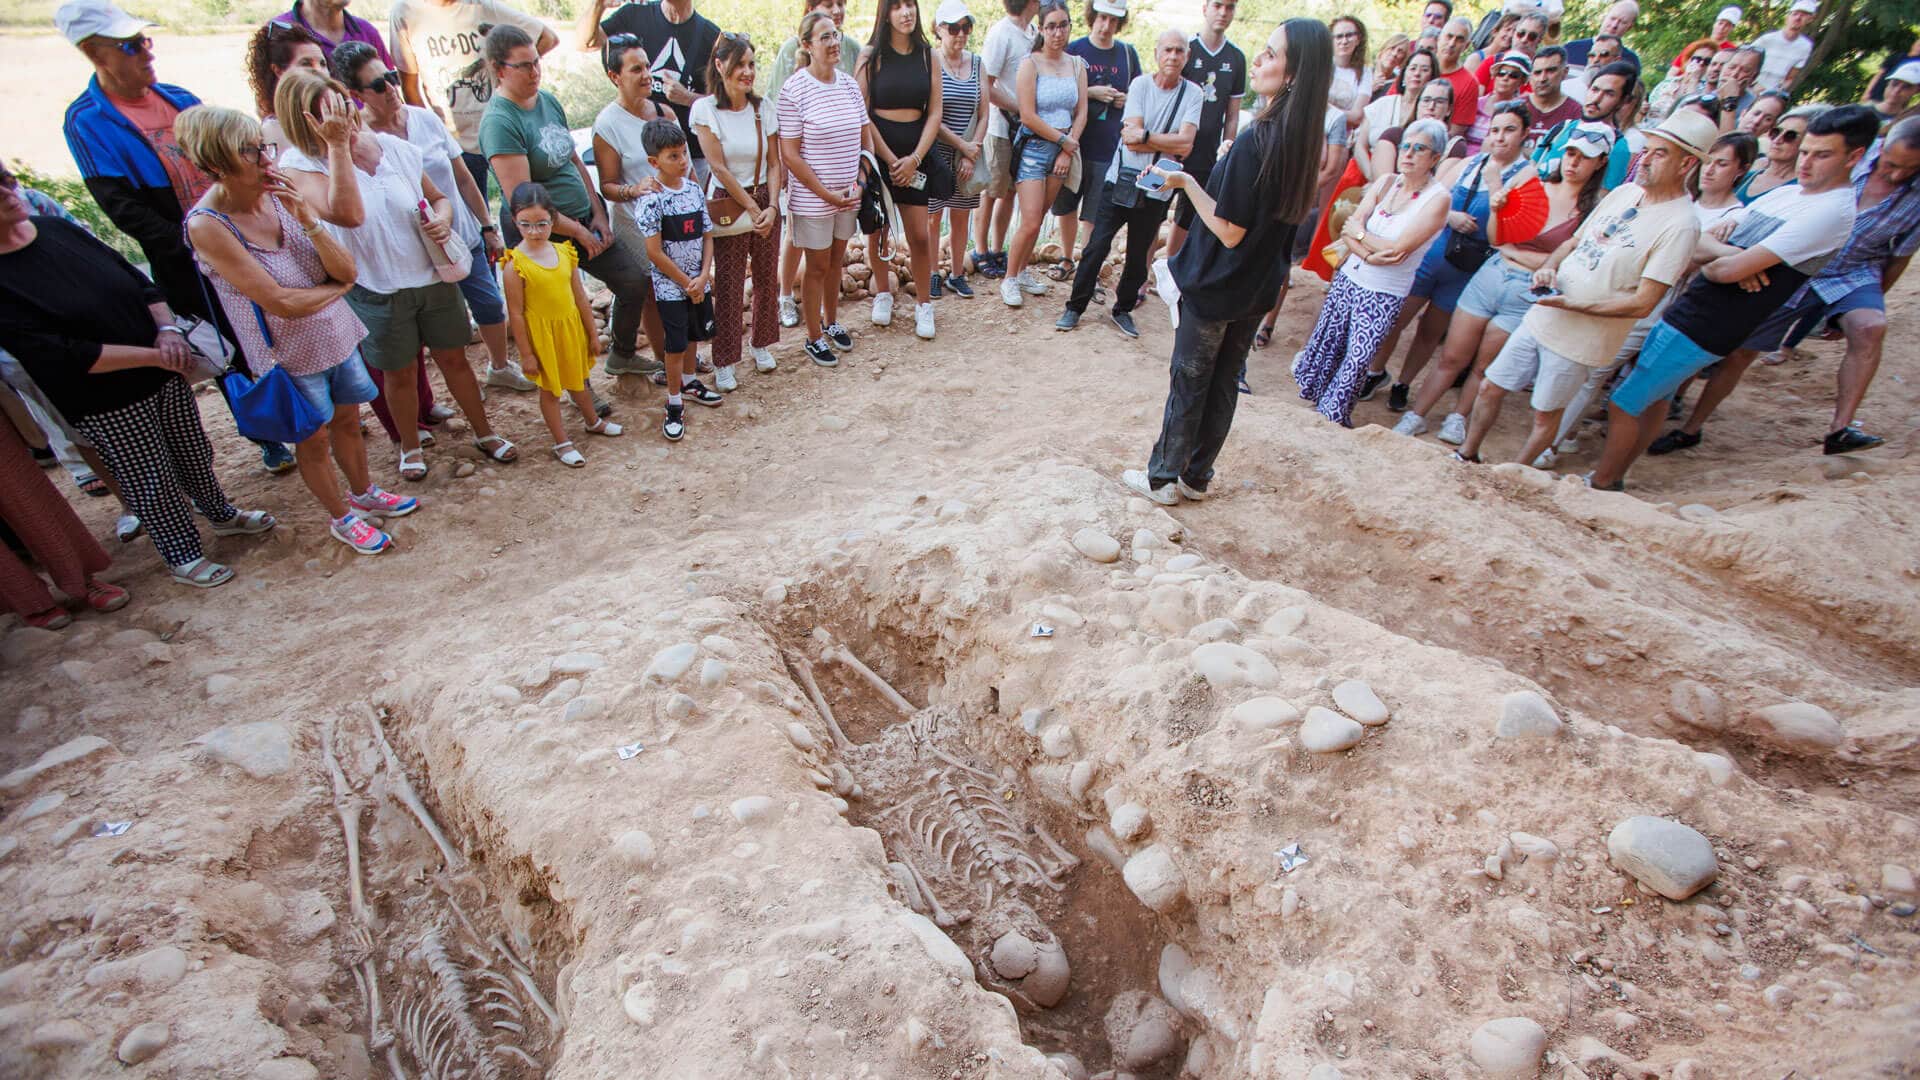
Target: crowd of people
x,y
1546,216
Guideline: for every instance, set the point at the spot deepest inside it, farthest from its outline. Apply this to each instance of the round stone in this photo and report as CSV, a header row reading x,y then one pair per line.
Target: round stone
x,y
1327,732
1096,545
1524,714
1665,856
1509,1047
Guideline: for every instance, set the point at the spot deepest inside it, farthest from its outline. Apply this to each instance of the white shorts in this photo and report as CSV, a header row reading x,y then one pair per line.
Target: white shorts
x,y
819,233
1555,378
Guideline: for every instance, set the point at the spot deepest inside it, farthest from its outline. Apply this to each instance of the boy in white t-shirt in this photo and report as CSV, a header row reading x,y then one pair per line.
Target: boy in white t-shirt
x,y
1787,48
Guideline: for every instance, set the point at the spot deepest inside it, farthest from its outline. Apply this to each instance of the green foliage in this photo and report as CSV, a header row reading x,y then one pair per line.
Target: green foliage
x,y
71,193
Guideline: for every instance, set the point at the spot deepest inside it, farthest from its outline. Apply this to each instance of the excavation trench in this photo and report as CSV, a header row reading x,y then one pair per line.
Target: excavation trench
x,y
974,844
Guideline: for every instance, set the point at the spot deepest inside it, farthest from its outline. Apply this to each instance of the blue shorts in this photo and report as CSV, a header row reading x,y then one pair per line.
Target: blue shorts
x,y
1790,325
1438,279
1037,156
345,383
1667,360
1500,292
482,290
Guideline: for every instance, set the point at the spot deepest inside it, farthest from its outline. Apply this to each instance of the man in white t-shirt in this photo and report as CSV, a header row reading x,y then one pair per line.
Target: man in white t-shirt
x,y
440,54
1008,43
1787,48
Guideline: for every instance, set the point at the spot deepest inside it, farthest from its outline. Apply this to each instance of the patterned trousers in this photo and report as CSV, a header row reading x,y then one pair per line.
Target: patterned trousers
x,y
730,257
160,455
1353,322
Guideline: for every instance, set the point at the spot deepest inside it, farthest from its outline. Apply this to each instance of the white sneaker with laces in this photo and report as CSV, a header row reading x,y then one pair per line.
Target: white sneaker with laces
x,y
1453,430
1010,294
1031,285
354,532
1137,482
509,378
1411,424
724,379
923,321
1546,459
762,359
789,312
883,309
383,503
1188,491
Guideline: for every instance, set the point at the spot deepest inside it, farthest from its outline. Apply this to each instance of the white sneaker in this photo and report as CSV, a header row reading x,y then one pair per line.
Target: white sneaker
x,y
1010,294
1031,285
1188,491
762,359
1568,445
724,379
1411,424
883,309
923,321
1453,430
1136,482
508,377
789,312
1546,459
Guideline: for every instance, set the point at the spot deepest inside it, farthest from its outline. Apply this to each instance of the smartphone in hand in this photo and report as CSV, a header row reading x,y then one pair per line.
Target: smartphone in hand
x,y
1149,180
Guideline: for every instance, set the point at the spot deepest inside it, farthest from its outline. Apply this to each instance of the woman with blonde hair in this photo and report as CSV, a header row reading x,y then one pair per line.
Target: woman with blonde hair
x,y
1386,66
281,279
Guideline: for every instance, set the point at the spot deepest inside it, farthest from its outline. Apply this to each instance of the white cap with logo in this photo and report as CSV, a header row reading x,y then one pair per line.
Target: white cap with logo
x,y
952,12
79,20
1729,14
1115,8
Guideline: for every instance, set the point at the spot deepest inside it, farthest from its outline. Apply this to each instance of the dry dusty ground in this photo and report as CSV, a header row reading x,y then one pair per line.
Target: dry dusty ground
x,y
721,903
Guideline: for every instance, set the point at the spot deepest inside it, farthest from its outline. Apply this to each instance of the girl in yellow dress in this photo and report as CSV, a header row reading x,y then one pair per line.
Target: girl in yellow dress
x,y
552,321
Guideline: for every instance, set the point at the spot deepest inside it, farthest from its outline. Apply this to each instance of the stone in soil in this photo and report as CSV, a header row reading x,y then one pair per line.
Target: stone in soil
x,y
1154,878
1096,545
1141,1029
75,749
1666,856
1225,665
1800,728
1358,700
143,1042
1509,1048
260,749
1263,713
1327,732
1524,714
671,662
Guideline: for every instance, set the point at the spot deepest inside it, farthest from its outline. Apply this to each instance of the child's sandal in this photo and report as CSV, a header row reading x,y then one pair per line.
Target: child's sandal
x,y
496,448
604,427
412,465
569,456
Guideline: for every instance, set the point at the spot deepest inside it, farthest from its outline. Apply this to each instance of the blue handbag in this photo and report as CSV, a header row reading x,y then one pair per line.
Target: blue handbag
x,y
271,409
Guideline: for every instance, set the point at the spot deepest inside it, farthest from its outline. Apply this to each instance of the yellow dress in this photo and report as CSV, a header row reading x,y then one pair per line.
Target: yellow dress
x,y
553,322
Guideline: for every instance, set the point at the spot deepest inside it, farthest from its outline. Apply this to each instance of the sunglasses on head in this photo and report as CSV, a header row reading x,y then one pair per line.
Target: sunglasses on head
x,y
378,83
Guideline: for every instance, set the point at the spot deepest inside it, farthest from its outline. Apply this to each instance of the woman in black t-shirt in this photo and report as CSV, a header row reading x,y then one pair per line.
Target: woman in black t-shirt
x,y
1232,265
101,343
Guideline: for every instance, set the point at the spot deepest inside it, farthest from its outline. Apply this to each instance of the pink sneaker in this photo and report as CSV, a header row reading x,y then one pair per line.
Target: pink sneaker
x,y
384,503
360,536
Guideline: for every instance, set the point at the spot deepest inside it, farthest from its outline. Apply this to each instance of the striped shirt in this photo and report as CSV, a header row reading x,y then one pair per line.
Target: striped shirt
x,y
1881,233
828,119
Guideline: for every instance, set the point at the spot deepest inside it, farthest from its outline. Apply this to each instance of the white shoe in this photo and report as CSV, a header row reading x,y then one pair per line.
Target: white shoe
x,y
1546,459
762,359
1031,285
1453,430
1188,491
1136,482
1411,424
508,377
1568,445
883,309
923,321
1010,294
789,312
724,379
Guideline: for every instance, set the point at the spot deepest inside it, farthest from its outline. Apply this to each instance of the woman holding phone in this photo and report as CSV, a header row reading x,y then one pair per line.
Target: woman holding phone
x,y
1052,87
902,87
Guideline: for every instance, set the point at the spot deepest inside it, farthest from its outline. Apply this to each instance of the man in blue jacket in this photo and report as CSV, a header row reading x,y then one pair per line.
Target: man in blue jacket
x,y
120,132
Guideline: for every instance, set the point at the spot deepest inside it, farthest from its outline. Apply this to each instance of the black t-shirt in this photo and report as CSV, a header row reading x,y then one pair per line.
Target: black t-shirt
x,y
61,298
679,49
1218,282
1222,76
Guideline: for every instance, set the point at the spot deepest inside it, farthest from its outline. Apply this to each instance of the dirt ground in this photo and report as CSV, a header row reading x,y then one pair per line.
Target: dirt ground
x,y
526,893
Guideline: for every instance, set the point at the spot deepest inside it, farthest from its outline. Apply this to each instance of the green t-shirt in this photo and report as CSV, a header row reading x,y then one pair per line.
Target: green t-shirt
x,y
541,134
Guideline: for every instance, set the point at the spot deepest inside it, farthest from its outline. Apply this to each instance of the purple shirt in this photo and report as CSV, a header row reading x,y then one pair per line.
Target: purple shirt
x,y
358,29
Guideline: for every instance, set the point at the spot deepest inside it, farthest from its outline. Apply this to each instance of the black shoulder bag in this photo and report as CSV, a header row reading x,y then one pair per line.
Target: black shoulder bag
x,y
1124,192
1467,252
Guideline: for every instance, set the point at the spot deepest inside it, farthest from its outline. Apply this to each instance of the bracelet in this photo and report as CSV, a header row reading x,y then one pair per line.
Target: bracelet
x,y
174,328
311,230
489,228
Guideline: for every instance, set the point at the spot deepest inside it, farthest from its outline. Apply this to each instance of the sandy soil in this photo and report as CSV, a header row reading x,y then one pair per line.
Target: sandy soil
x,y
733,899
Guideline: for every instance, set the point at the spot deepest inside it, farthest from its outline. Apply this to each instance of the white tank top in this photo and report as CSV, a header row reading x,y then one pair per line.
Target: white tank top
x,y
1396,280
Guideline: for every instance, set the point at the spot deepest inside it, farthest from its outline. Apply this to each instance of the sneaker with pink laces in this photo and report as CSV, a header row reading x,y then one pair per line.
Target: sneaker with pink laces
x,y
384,503
354,532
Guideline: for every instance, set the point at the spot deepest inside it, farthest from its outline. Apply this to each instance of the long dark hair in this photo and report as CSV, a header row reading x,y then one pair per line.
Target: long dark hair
x,y
881,40
1293,125
273,46
726,51
1400,82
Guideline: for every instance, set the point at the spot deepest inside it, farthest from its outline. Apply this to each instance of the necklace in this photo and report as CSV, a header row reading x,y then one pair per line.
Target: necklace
x,y
1400,188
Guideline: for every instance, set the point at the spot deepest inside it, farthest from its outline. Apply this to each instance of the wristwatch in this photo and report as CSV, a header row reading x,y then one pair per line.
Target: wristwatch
x,y
489,228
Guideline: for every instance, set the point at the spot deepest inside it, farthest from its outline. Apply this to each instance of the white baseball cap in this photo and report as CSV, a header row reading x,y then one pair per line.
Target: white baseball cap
x,y
1115,8
1811,7
1729,14
951,12
79,20
1908,72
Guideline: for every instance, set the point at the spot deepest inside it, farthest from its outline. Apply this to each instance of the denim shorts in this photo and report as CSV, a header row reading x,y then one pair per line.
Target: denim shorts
x,y
1790,325
1500,292
345,383
1438,279
1667,360
482,290
1036,159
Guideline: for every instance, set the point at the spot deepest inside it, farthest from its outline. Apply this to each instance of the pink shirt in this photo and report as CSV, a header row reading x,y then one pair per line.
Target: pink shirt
x,y
303,346
828,119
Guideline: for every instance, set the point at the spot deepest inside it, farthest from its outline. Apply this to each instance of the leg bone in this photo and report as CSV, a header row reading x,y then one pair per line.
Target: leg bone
x,y
841,654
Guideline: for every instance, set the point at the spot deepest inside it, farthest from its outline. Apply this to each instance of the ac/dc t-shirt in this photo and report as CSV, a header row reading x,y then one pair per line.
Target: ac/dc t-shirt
x,y
678,49
678,216
1803,230
1222,78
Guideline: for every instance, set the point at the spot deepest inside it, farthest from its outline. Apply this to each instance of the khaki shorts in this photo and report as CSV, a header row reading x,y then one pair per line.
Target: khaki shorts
x,y
819,233
399,323
998,162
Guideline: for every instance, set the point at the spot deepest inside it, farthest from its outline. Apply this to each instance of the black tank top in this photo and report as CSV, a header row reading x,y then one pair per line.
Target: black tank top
x,y
900,82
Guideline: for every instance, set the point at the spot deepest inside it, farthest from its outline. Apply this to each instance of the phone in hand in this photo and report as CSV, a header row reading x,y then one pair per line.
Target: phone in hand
x,y
1541,292
918,181
1150,180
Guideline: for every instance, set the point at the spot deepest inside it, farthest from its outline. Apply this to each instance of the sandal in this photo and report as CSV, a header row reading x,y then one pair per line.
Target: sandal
x,y
244,523
1061,271
604,427
104,597
203,573
412,465
128,528
93,485
426,437
1263,337
568,456
496,448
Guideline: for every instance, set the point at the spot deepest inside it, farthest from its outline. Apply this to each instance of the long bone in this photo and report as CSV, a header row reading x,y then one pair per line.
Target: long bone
x,y
403,790
805,671
1068,858
347,805
941,916
524,976
842,654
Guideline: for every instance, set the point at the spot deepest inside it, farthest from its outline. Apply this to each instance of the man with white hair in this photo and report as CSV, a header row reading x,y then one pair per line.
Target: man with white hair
x,y
1787,48
1617,22
1528,35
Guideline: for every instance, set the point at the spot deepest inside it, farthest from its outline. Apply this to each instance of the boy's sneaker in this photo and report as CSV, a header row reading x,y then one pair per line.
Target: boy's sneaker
x,y
701,393
822,353
1137,482
762,359
360,536
1010,293
883,309
384,503
676,424
789,312
959,287
923,321
725,380
838,335
510,378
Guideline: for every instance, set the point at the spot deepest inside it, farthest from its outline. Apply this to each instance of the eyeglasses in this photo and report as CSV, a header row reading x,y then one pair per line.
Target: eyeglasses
x,y
260,153
133,46
1417,147
1057,27
532,226
827,37
524,65
376,84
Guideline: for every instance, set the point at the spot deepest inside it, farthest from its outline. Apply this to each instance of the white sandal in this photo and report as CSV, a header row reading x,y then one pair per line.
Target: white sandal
x,y
244,523
413,466
202,573
604,427
568,455
496,448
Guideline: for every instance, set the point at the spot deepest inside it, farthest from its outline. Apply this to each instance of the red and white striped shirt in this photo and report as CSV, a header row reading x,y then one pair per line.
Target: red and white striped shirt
x,y
828,118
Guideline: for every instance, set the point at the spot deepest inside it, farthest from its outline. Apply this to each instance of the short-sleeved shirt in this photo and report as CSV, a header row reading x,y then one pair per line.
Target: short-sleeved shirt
x,y
1782,57
1159,116
442,45
438,149
678,216
679,49
1612,254
153,116
1218,282
1466,96
740,144
623,131
1114,67
828,119
386,246
1222,79
1545,120
1887,230
357,29
1008,43
1803,230
541,134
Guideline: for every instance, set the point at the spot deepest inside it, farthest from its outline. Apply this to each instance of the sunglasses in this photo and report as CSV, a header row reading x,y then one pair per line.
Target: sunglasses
x,y
1509,73
375,85
1786,135
1526,35
133,46
1417,147
1692,60
1614,226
